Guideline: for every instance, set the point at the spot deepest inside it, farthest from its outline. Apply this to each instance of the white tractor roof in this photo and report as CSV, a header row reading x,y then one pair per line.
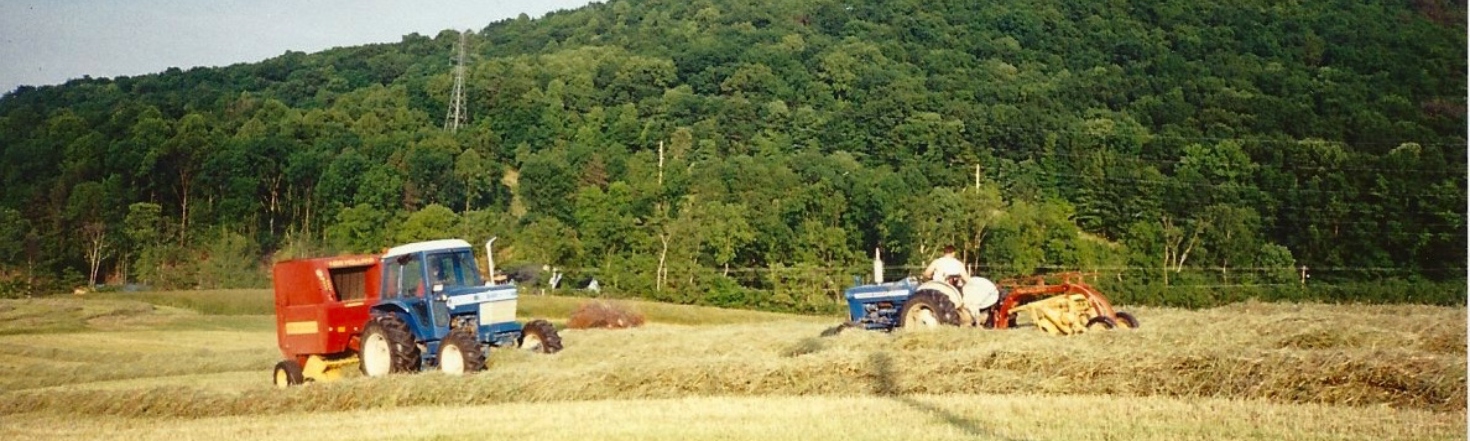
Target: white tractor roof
x,y
433,245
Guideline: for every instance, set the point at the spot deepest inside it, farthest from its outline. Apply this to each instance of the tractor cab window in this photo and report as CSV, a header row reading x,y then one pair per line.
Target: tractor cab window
x,y
453,269
405,277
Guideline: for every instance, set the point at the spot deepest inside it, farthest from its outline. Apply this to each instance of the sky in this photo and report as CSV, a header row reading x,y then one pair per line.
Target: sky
x,y
46,42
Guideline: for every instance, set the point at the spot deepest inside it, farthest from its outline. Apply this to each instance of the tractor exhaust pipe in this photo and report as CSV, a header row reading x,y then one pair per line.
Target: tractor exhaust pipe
x,y
490,259
877,265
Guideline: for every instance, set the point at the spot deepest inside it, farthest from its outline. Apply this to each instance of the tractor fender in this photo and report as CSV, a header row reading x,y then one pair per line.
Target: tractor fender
x,y
944,288
401,312
979,294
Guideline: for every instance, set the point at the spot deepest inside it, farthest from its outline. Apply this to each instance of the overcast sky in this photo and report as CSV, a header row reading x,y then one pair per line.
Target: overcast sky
x,y
44,42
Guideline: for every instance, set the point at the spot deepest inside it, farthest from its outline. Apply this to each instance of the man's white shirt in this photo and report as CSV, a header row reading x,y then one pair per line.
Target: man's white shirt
x,y
946,266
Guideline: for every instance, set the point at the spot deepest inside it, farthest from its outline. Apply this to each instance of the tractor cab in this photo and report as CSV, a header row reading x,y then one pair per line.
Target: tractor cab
x,y
438,286
407,287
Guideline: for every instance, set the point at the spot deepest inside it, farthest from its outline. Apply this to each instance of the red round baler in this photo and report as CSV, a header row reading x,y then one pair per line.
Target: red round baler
x,y
321,307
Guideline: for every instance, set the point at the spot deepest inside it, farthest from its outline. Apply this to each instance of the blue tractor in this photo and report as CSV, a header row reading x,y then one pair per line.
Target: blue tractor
x,y
1065,306
434,311
909,303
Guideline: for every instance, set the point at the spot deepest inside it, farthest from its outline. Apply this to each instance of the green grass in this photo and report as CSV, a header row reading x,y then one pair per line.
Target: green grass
x,y
558,308
211,302
53,315
261,302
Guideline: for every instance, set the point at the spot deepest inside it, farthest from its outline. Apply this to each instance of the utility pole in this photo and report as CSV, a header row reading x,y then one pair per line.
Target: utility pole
x,y
456,114
977,176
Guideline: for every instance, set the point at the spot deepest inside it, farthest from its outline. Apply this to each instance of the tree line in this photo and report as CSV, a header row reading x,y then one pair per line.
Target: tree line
x,y
756,154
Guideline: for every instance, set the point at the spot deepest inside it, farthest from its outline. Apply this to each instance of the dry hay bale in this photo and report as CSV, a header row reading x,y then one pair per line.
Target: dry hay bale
x,y
603,314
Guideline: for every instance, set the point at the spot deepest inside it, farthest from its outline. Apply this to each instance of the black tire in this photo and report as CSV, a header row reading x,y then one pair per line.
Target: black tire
x,y
1126,319
460,353
1103,321
542,335
941,309
287,374
398,346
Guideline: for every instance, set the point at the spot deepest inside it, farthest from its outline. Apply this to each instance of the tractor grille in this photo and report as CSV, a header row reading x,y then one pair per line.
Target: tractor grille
x,y
498,312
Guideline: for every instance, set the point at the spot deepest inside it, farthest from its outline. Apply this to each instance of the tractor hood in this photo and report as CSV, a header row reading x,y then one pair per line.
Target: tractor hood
x,y
459,296
493,306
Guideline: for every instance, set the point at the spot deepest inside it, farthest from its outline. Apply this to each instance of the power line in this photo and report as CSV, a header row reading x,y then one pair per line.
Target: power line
x,y
1108,270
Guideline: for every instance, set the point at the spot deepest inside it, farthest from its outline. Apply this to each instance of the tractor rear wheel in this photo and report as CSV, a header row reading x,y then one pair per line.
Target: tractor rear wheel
x,y
1127,320
288,373
928,309
460,353
540,336
388,347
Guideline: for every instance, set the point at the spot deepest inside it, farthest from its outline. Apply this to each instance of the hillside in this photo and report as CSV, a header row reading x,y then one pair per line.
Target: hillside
x,y
121,368
753,154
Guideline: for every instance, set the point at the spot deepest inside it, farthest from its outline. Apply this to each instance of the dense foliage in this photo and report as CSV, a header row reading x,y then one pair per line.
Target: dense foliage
x,y
733,152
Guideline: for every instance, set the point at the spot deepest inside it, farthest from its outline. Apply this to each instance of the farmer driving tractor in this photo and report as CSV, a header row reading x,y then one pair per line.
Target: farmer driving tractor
x,y
947,268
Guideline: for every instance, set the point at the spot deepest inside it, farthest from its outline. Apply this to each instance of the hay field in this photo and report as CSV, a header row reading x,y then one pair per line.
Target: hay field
x,y
117,368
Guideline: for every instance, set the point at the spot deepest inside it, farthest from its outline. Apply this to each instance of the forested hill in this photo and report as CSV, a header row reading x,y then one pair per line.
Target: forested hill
x,y
755,153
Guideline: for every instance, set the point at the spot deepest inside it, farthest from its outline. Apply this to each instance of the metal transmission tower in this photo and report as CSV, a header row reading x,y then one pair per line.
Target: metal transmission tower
x,y
456,115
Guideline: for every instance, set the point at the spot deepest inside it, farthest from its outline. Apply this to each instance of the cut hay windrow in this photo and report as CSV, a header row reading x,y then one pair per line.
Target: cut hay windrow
x,y
1276,353
1426,384
604,314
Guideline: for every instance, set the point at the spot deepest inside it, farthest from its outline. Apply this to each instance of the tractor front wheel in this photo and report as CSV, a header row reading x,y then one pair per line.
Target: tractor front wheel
x,y
540,336
288,373
388,347
928,309
460,353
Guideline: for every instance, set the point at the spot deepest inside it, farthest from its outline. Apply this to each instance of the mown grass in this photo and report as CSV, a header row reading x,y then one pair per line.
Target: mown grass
x,y
104,341
110,361
867,417
1399,356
